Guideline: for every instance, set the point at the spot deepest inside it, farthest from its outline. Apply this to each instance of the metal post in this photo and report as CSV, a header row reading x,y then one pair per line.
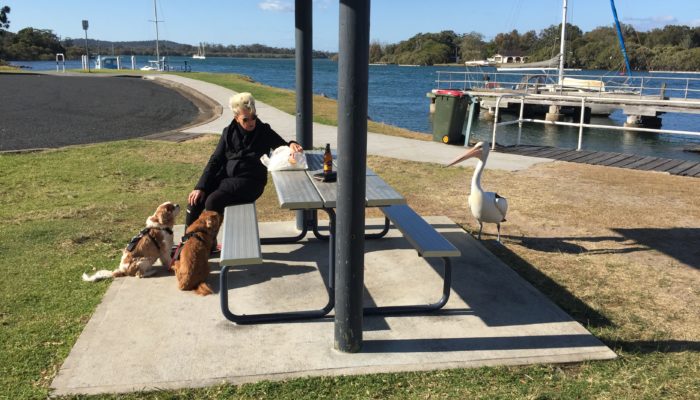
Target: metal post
x,y
87,50
520,119
353,72
304,79
562,46
495,123
161,66
470,118
580,124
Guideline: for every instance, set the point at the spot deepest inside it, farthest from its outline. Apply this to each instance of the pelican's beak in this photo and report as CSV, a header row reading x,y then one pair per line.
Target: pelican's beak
x,y
472,152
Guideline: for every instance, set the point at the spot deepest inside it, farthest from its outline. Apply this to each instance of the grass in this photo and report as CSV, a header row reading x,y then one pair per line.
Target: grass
x,y
628,272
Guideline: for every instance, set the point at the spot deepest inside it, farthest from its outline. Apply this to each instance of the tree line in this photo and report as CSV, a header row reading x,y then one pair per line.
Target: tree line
x,y
31,44
673,47
670,48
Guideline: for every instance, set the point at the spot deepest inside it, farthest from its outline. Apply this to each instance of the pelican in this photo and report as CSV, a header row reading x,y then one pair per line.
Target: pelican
x,y
485,206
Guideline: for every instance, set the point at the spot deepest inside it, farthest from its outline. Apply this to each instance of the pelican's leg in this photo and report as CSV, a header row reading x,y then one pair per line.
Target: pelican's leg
x,y
481,226
498,227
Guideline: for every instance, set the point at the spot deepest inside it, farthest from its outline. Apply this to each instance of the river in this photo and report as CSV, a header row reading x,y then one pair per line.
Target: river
x,y
397,96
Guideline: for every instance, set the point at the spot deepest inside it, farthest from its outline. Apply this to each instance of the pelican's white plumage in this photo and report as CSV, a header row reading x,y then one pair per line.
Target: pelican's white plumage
x,y
485,206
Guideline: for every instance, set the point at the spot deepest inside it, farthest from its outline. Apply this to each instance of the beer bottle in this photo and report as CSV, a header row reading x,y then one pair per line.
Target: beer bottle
x,y
327,161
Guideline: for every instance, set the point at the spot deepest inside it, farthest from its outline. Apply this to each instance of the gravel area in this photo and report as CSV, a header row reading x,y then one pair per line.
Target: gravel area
x,y
48,111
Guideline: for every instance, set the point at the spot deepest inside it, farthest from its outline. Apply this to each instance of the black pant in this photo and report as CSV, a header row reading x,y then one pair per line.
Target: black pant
x,y
227,192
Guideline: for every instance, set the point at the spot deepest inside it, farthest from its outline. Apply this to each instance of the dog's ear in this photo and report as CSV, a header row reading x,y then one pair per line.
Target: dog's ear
x,y
213,220
153,219
160,215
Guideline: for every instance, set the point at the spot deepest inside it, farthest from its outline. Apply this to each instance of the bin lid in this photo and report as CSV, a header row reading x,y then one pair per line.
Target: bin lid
x,y
450,92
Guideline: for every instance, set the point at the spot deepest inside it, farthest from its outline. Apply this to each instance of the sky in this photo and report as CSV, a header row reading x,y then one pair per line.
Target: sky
x,y
271,22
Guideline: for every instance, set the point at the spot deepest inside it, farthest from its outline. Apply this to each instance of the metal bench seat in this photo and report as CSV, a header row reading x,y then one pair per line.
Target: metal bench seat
x,y
241,239
241,246
428,243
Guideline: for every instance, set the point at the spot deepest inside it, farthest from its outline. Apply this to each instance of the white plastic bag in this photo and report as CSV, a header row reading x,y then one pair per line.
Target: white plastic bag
x,y
282,159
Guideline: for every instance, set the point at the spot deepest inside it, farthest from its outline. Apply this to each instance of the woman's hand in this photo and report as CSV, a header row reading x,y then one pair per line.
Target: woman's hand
x,y
195,197
296,148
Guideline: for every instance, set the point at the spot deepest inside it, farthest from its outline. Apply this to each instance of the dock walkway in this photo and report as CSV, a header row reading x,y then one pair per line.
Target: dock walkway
x,y
608,159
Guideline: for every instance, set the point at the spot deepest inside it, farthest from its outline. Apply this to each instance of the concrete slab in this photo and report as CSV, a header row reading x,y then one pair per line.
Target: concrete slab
x,y
146,334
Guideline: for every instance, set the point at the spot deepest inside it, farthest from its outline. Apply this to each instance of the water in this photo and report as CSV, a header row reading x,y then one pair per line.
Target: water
x,y
397,96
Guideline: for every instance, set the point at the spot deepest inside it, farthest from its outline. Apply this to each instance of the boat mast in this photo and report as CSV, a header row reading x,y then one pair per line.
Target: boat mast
x,y
622,39
562,45
155,11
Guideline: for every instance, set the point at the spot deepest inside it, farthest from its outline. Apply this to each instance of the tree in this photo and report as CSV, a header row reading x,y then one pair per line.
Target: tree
x,y
4,22
548,43
472,47
375,51
34,44
508,42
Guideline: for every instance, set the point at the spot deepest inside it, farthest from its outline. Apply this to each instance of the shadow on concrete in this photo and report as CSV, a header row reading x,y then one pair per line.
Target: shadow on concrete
x,y
248,275
476,280
479,344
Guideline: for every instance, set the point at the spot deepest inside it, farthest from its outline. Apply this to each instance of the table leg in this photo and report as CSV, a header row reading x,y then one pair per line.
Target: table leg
x,y
418,308
290,315
285,239
377,235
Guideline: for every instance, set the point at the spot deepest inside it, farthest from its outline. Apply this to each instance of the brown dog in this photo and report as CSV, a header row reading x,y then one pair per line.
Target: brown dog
x,y
153,242
192,267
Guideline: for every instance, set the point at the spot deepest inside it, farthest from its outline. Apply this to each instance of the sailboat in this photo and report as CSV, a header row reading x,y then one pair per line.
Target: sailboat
x,y
159,63
200,53
568,83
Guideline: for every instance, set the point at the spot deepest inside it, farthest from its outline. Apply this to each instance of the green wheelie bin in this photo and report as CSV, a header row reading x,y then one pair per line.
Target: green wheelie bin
x,y
448,119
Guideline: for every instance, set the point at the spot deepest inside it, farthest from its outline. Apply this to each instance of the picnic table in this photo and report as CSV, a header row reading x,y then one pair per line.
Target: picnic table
x,y
299,190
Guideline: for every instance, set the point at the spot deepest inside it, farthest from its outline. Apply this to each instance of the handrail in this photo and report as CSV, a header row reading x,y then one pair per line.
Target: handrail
x,y
638,85
62,60
581,124
626,100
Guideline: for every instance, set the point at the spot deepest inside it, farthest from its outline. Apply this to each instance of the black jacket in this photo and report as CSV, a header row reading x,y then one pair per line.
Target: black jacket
x,y
238,154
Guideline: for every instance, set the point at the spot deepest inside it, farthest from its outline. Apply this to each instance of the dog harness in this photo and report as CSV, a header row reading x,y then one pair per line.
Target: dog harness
x,y
145,232
178,249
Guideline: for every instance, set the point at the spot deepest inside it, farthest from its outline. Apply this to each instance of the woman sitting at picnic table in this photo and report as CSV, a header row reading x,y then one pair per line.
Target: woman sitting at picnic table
x,y
234,173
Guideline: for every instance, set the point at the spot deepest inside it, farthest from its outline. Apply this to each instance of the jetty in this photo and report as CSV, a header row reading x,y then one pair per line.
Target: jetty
x,y
608,159
641,98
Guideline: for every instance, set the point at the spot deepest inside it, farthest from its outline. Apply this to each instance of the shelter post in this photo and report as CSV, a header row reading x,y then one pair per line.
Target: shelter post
x,y
353,71
303,23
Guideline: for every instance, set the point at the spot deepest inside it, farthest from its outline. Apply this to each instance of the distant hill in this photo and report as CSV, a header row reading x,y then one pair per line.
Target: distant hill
x,y
31,44
170,48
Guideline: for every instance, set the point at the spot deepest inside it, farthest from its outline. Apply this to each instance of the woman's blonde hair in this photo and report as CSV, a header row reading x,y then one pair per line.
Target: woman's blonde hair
x,y
241,100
